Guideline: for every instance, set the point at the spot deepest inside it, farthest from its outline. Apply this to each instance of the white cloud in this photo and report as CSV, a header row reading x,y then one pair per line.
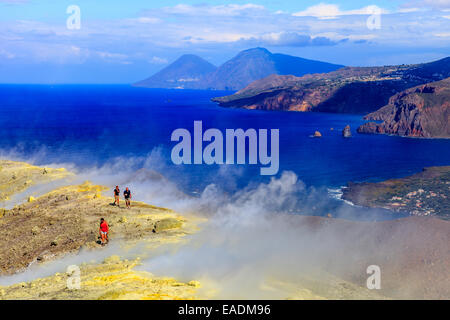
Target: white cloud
x,y
56,53
408,10
150,20
113,57
219,10
321,10
7,54
110,55
290,39
331,11
158,60
207,30
443,35
437,4
217,36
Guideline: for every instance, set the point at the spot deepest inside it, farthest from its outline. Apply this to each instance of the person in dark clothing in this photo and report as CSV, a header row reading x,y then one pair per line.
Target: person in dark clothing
x,y
127,196
116,196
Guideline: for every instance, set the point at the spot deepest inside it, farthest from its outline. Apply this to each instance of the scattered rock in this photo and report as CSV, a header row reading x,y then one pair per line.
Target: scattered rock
x,y
194,284
123,220
35,230
346,133
166,224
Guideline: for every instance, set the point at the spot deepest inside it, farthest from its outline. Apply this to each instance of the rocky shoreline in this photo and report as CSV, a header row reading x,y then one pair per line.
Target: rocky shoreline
x,y
420,112
358,90
423,194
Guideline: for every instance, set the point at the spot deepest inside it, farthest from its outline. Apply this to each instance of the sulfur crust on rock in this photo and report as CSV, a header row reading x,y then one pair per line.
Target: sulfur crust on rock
x,y
114,279
16,177
68,219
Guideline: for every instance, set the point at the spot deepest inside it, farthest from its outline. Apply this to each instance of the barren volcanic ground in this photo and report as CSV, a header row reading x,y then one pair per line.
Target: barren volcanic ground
x,y
413,253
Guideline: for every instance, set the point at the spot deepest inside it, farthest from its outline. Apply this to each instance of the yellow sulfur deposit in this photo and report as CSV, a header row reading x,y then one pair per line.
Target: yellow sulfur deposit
x,y
114,279
16,177
67,219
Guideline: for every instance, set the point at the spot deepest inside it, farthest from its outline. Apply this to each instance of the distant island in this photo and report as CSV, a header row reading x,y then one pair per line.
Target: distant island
x,y
406,100
358,90
184,73
193,72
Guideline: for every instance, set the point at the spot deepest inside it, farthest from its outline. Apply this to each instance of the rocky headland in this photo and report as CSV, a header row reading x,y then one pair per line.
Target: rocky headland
x,y
422,111
358,90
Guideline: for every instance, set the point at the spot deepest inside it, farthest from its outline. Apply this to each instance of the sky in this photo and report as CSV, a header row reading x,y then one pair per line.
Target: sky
x,y
125,41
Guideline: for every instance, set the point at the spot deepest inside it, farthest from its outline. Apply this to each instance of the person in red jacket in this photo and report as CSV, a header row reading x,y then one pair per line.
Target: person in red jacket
x,y
104,229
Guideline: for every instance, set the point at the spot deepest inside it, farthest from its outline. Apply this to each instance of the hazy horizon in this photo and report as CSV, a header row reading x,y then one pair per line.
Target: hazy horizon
x,y
119,43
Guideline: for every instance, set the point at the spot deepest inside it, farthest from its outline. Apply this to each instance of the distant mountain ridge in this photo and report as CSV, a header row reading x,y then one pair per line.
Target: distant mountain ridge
x,y
257,63
236,73
183,73
358,90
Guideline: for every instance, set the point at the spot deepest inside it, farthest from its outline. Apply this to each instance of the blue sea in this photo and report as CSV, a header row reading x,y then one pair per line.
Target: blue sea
x,y
94,125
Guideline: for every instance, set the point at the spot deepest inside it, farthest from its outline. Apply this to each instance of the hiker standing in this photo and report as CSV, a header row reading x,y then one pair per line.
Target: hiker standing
x,y
103,230
116,196
127,196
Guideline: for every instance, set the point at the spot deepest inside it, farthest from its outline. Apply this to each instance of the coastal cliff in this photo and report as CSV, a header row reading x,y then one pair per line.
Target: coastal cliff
x,y
422,111
358,90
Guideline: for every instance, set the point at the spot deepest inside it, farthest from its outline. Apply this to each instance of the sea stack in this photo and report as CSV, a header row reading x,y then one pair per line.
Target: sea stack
x,y
347,133
317,134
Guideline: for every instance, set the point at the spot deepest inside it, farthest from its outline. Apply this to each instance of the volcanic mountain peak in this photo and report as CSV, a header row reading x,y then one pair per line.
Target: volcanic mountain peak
x,y
192,72
186,70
